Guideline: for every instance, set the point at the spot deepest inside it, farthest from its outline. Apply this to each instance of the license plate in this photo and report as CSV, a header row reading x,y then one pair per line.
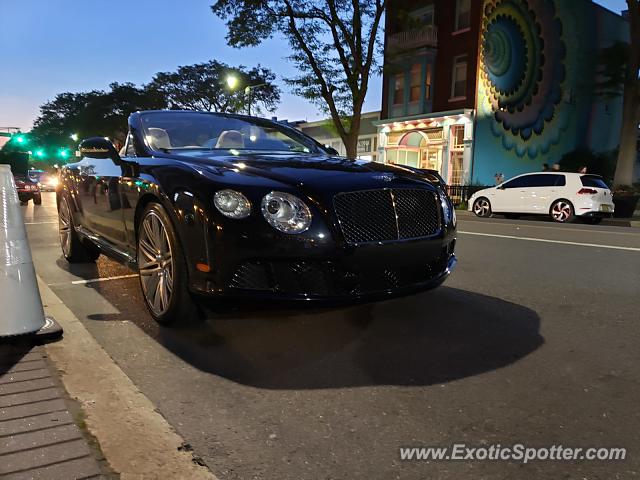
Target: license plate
x,y
605,208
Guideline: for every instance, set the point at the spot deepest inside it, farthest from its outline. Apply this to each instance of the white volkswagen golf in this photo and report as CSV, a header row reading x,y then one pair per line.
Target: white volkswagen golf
x,y
564,196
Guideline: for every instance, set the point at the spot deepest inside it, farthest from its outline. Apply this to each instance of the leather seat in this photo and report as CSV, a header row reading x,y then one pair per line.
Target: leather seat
x,y
230,139
158,139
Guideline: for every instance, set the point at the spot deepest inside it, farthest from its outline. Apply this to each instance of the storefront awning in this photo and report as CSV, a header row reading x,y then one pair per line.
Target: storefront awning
x,y
428,119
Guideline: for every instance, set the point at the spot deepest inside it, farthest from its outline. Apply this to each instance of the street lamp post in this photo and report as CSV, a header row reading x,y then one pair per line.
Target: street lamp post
x,y
233,81
247,92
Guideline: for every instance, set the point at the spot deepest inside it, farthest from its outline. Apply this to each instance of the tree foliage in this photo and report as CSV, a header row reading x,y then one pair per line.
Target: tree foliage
x,y
203,86
334,45
193,87
92,113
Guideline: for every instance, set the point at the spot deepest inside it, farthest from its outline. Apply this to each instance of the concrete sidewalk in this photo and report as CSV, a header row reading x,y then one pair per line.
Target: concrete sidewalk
x,y
39,438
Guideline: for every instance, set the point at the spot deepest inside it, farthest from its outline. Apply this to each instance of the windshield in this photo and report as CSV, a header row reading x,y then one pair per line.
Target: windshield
x,y
165,131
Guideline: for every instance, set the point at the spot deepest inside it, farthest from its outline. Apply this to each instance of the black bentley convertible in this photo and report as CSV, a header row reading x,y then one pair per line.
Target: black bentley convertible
x,y
205,205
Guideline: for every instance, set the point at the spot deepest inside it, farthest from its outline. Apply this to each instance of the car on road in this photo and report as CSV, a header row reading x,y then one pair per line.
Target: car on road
x,y
563,196
27,190
208,205
48,182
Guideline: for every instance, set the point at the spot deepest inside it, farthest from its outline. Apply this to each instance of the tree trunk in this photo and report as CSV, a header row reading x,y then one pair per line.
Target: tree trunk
x,y
352,136
351,144
628,153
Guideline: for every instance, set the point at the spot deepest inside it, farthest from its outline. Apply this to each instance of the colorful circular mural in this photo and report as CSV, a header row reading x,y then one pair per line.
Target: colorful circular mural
x,y
522,72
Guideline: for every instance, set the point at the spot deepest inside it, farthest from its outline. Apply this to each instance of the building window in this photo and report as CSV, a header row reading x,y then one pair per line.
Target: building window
x,y
423,17
459,77
458,136
398,89
416,79
427,85
463,15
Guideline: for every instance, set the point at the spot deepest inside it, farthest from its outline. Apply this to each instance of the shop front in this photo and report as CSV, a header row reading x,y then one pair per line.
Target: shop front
x,y
441,142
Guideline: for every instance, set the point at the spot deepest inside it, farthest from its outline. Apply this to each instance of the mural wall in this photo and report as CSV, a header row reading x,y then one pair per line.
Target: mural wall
x,y
536,84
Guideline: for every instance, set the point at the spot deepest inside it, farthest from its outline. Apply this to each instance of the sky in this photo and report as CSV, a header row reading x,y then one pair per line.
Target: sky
x,y
53,46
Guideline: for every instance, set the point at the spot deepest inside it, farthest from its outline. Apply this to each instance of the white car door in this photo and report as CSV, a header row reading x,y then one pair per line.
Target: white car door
x,y
541,190
509,196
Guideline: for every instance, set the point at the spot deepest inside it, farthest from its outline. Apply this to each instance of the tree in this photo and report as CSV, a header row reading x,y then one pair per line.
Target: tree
x,y
631,100
58,118
203,86
334,45
92,113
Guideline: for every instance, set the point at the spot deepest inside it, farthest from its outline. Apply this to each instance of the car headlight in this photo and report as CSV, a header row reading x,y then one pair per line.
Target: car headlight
x,y
232,204
448,211
286,212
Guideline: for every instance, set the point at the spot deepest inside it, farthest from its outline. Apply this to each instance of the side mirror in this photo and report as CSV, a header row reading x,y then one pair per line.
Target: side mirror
x,y
99,148
331,150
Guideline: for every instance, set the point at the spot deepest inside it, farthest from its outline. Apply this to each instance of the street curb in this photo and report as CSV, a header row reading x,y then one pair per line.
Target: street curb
x,y
135,439
612,222
621,222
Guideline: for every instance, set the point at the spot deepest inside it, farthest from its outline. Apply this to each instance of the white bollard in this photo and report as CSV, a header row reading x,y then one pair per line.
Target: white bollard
x,y
21,309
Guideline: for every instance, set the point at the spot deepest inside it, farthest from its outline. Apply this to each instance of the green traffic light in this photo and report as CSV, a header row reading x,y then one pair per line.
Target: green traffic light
x,y
39,153
21,139
64,153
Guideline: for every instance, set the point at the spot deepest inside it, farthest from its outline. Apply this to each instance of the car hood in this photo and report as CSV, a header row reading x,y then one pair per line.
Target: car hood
x,y
313,172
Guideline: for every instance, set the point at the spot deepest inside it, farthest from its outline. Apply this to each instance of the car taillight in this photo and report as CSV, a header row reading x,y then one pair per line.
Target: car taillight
x,y
587,191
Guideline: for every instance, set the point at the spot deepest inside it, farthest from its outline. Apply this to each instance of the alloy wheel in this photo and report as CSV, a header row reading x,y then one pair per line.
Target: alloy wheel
x,y
561,211
64,227
482,208
155,263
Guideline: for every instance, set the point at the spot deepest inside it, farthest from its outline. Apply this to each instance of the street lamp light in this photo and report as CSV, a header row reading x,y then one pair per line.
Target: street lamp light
x,y
232,81
74,137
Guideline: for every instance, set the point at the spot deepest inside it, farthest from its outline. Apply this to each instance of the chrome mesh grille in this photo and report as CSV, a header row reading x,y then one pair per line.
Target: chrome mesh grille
x,y
418,213
386,215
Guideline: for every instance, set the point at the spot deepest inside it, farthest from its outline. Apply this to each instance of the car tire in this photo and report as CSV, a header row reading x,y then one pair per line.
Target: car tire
x,y
163,270
562,211
74,248
482,207
37,200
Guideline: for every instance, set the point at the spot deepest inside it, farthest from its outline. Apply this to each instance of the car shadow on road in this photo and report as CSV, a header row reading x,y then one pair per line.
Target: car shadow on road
x,y
430,338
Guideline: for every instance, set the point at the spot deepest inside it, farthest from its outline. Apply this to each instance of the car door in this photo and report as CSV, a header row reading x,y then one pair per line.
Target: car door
x,y
131,188
508,196
101,199
541,188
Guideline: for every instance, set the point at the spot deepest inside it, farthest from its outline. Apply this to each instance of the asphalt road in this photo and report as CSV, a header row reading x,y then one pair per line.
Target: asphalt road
x,y
529,341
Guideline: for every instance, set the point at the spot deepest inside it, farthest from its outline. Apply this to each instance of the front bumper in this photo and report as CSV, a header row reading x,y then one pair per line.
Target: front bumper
x,y
367,272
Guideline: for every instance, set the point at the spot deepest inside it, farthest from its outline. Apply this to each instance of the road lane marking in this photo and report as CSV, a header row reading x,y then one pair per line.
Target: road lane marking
x,y
39,223
93,280
546,240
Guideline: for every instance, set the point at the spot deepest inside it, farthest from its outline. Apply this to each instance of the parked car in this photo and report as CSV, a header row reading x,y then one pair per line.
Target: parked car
x,y
48,182
206,205
561,195
27,190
